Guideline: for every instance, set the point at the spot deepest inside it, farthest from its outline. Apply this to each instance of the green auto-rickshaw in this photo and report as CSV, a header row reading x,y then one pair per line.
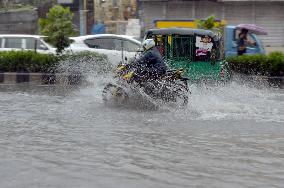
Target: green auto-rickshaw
x,y
196,51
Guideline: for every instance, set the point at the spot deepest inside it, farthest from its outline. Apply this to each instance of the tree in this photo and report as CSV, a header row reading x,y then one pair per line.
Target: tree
x,y
210,23
58,27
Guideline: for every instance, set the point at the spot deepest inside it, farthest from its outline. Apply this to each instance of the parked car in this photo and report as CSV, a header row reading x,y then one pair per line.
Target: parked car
x,y
18,42
118,48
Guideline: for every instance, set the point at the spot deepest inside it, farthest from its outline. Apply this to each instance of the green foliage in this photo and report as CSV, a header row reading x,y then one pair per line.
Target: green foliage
x,y
269,65
210,23
26,60
58,27
13,61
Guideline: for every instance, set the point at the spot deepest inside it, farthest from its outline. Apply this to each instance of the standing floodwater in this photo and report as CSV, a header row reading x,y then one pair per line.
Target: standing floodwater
x,y
229,136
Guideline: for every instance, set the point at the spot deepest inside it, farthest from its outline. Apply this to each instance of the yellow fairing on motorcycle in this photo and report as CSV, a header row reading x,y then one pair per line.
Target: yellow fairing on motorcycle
x,y
180,71
128,76
121,67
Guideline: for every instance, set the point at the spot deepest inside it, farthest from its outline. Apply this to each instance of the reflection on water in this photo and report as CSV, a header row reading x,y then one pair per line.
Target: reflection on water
x,y
229,136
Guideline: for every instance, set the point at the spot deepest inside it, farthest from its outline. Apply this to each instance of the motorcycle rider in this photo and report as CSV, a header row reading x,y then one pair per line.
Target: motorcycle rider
x,y
150,64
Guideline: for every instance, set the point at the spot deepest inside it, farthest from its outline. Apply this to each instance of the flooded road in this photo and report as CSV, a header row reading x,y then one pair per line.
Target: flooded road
x,y
229,136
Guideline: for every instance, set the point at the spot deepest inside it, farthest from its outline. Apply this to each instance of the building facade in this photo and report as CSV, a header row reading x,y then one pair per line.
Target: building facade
x,y
110,10
83,13
18,17
265,13
115,13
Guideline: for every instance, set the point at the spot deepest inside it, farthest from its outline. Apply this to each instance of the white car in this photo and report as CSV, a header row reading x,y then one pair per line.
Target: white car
x,y
118,48
16,42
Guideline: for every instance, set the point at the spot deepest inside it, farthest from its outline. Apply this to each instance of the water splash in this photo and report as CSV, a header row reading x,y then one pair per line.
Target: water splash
x,y
86,66
240,99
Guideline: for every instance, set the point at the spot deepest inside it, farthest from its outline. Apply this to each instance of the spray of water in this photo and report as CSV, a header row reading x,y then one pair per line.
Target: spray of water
x,y
238,99
86,66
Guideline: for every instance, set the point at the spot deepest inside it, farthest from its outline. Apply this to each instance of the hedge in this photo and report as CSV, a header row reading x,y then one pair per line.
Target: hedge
x,y
13,61
266,65
29,61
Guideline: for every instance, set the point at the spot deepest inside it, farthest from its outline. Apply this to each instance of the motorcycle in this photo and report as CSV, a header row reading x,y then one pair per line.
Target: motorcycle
x,y
168,88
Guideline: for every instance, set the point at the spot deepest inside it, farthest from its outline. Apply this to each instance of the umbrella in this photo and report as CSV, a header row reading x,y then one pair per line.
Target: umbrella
x,y
252,28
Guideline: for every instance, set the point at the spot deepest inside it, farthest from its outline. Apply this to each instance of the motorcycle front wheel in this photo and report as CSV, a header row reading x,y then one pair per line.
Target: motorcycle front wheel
x,y
182,100
114,94
182,95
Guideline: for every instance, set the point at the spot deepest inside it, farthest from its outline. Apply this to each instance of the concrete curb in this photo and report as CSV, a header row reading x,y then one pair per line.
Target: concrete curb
x,y
76,79
40,78
277,81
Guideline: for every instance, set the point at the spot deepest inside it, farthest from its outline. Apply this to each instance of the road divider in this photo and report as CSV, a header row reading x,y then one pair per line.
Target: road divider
x,y
40,78
274,81
11,78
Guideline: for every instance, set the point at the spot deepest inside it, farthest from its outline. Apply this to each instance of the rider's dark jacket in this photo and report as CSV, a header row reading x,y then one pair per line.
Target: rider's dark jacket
x,y
151,62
